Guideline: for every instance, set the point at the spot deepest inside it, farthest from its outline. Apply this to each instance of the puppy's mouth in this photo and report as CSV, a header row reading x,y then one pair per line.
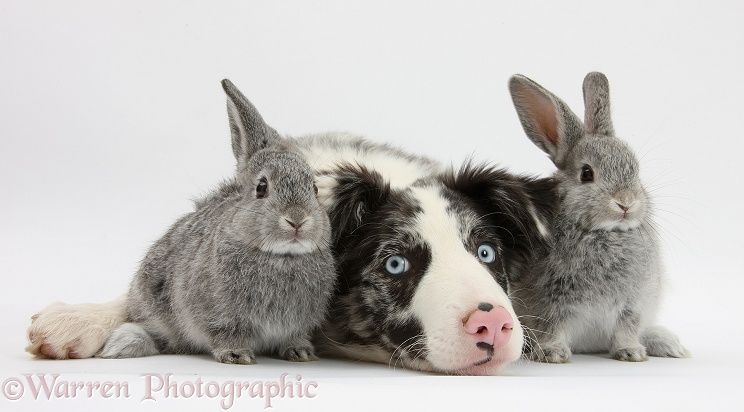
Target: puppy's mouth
x,y
482,362
490,365
488,348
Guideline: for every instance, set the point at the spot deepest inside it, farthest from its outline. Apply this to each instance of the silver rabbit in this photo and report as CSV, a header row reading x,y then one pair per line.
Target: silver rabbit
x,y
598,287
249,272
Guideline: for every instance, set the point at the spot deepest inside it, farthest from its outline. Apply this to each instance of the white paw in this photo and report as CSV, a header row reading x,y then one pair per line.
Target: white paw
x,y
636,354
235,356
62,331
550,353
662,343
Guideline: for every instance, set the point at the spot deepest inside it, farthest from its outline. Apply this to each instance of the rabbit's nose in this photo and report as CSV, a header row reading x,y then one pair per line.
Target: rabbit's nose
x,y
295,225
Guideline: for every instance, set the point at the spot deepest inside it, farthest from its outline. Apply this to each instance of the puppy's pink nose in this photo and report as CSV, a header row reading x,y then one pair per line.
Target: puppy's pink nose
x,y
489,325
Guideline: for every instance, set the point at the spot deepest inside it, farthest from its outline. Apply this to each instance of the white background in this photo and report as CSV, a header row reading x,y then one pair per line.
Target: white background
x,y
112,118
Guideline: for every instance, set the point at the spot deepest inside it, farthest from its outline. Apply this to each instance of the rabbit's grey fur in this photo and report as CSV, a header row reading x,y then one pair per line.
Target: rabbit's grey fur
x,y
598,287
242,274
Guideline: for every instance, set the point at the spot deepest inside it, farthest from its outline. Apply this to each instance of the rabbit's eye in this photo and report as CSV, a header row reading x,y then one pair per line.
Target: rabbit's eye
x,y
587,174
315,188
262,189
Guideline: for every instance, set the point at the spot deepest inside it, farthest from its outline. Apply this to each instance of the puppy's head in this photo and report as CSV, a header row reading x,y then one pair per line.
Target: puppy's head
x,y
424,269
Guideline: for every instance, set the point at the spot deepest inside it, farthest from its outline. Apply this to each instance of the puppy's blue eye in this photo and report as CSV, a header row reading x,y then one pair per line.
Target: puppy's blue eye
x,y
487,253
397,265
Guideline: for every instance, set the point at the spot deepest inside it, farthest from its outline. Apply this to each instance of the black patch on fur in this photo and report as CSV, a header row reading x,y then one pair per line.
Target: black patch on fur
x,y
407,337
368,219
486,307
358,192
504,200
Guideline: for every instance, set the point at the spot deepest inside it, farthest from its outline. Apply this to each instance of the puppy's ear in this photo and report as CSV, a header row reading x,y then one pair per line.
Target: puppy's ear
x,y
358,192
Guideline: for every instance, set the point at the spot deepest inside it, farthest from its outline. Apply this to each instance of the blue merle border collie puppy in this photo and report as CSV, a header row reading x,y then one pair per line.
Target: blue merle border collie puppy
x,y
424,269
425,255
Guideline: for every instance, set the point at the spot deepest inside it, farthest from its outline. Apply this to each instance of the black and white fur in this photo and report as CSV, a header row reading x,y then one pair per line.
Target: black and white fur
x,y
463,234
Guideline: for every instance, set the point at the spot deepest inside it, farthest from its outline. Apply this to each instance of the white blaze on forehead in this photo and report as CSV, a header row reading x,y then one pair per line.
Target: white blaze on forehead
x,y
443,233
435,224
452,287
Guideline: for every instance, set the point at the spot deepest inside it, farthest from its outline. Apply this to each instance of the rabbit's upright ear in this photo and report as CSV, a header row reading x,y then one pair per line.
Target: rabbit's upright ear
x,y
545,118
249,131
597,118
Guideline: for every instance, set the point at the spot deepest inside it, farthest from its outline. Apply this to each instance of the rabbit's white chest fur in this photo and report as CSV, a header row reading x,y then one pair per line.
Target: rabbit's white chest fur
x,y
595,278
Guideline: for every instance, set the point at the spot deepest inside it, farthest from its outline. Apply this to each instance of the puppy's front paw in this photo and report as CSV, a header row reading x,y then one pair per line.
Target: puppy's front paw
x,y
555,353
637,354
299,354
235,356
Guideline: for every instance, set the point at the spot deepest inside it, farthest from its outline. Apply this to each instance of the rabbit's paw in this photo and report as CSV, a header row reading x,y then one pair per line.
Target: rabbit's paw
x,y
235,356
636,354
556,353
662,343
299,354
